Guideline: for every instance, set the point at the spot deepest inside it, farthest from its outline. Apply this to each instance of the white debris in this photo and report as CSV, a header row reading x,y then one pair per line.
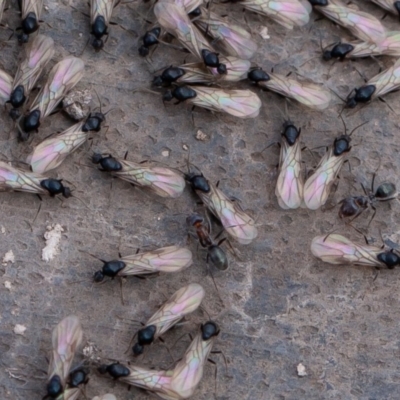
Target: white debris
x,y
7,285
107,396
53,237
19,329
3,230
200,135
9,257
185,147
76,104
301,370
264,33
165,153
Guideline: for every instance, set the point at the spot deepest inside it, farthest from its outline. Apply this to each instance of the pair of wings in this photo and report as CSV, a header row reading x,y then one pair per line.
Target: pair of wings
x,y
38,53
237,70
183,302
6,85
162,181
288,13
62,78
166,259
290,184
14,179
390,46
52,152
318,186
235,221
233,39
310,94
174,19
66,339
387,81
361,24
102,8
337,249
239,103
31,6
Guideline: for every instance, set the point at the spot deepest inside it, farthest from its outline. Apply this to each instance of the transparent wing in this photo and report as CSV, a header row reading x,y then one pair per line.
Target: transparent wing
x,y
387,81
39,52
102,8
237,70
149,379
183,302
166,259
14,179
62,78
34,6
2,4
70,394
107,396
235,221
362,25
233,39
336,249
387,5
66,338
288,13
189,5
290,184
239,103
162,181
310,94
188,372
52,152
6,82
390,46
319,184
175,21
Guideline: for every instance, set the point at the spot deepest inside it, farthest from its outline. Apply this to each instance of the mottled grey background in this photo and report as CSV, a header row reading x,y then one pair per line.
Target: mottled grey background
x,y
279,305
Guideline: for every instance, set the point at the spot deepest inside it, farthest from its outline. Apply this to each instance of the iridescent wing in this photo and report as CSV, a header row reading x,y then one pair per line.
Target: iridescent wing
x,y
66,338
189,5
310,94
183,302
160,180
34,6
6,82
39,52
107,396
239,103
175,21
235,221
188,372
52,152
14,179
290,184
103,8
233,39
62,78
152,380
362,25
387,81
237,70
336,249
319,184
387,5
288,13
390,46
70,394
166,259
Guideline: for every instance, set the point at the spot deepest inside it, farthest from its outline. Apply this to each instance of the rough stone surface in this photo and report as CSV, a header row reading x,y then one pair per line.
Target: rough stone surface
x,y
280,307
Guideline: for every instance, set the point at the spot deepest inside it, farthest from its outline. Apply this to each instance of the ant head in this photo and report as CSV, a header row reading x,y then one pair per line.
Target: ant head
x,y
208,330
98,44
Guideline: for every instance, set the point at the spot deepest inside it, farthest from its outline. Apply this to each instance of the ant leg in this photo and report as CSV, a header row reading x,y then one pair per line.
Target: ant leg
x,y
373,215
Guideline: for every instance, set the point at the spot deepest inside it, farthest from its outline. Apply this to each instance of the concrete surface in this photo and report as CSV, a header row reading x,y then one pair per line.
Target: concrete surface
x,y
280,307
